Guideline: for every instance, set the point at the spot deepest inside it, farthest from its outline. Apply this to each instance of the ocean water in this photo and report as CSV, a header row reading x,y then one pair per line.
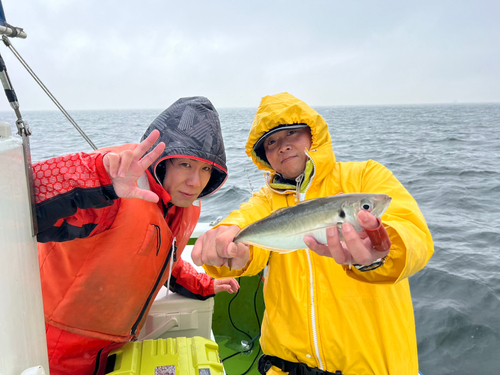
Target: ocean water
x,y
447,156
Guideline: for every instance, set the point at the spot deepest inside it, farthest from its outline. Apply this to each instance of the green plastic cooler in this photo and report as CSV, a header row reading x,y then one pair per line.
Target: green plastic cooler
x,y
179,356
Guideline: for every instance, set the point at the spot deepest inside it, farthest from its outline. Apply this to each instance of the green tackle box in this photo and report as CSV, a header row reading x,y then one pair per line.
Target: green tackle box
x,y
172,356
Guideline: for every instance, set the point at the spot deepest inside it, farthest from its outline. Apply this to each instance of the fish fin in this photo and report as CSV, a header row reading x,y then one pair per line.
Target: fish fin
x,y
279,209
306,202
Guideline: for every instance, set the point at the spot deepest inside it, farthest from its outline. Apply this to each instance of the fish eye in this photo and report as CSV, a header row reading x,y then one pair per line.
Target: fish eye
x,y
342,214
365,205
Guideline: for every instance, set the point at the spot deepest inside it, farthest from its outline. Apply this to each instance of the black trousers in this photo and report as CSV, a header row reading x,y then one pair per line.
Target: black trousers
x,y
294,368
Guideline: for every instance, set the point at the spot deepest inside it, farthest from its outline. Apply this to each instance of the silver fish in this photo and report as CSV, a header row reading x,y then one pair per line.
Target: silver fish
x,y
284,230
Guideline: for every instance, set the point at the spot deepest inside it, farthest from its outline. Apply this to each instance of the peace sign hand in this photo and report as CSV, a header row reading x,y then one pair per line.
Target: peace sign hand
x,y
126,167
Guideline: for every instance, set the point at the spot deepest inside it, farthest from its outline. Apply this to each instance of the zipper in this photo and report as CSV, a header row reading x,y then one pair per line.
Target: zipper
x,y
313,312
174,246
152,294
301,197
97,362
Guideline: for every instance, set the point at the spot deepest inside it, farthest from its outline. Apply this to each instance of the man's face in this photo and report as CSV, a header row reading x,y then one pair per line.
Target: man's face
x,y
185,179
285,151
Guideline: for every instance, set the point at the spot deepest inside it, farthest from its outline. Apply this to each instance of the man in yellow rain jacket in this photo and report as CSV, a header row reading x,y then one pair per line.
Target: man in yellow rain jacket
x,y
321,312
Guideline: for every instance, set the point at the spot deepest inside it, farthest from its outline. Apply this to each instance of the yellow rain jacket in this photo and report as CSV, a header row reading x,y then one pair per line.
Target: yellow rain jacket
x,y
318,312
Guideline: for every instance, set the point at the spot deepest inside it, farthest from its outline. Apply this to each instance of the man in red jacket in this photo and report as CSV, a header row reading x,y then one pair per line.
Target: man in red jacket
x,y
113,225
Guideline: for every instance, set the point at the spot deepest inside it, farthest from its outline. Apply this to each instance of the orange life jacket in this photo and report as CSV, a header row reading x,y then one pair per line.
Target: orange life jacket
x,y
103,286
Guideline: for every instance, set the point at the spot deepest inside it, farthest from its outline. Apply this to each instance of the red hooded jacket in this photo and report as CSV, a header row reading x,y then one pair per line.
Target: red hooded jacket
x,y
103,259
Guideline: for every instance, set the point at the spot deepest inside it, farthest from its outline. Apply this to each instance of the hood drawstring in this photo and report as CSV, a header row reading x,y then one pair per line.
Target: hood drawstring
x,y
298,185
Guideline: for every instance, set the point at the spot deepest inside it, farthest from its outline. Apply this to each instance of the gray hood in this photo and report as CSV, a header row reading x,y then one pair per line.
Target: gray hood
x,y
190,128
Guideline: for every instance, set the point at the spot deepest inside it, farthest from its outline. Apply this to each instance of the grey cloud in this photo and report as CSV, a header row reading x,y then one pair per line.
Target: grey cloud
x,y
128,54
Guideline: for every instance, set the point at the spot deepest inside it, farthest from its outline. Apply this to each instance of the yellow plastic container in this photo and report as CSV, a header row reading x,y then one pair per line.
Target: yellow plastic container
x,y
179,356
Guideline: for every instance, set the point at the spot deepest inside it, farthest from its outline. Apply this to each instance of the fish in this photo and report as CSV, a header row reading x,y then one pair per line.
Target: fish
x,y
283,231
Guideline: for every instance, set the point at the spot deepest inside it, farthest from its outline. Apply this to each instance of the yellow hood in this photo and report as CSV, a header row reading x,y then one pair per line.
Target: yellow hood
x,y
285,109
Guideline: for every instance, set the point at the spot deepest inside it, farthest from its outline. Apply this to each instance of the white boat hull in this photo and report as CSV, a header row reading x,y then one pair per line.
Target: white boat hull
x,y
22,327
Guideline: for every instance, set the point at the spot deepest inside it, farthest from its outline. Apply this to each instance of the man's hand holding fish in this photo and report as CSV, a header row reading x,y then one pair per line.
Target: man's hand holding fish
x,y
357,248
216,248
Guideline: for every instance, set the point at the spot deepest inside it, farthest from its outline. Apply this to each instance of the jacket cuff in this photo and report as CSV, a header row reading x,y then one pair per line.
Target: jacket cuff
x,y
104,178
101,170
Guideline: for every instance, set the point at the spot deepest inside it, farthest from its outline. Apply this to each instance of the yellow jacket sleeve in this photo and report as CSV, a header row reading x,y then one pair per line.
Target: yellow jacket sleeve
x,y
255,209
412,244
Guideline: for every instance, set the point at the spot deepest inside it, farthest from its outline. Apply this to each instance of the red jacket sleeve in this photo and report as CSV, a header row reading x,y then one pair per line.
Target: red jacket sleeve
x,y
187,281
74,196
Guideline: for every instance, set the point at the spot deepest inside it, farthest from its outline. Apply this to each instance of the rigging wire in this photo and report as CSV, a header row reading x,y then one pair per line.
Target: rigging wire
x,y
46,90
24,131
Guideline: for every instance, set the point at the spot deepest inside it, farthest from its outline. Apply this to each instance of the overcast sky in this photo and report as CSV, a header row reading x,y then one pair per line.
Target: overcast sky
x,y
124,54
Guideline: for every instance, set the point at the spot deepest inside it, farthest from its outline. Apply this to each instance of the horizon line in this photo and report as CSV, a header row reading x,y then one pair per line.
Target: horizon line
x,y
253,107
